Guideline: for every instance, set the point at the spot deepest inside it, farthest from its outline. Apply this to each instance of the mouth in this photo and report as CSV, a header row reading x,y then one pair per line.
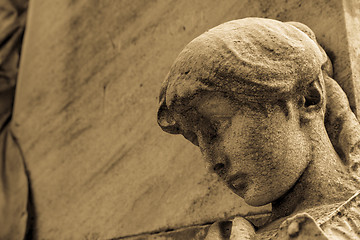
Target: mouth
x,y
238,183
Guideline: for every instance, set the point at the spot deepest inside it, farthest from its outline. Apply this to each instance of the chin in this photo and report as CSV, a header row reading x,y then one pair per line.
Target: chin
x,y
258,199
255,202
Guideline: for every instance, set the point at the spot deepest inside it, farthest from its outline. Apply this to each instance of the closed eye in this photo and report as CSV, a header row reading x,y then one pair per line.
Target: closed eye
x,y
209,133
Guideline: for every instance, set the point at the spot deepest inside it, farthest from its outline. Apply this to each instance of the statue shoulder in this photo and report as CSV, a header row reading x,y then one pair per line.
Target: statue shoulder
x,y
344,222
341,223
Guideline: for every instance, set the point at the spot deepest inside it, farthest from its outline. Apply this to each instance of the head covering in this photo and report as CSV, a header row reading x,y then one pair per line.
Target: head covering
x,y
256,59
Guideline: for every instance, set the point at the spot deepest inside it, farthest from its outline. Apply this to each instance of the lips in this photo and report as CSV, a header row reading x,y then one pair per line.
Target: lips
x,y
238,182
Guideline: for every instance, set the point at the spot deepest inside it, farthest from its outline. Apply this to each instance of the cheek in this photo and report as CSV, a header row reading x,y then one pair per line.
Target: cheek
x,y
266,149
243,145
281,162
272,157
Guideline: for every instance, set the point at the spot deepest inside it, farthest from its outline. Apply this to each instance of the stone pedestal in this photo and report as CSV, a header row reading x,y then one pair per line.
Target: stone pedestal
x,y
85,112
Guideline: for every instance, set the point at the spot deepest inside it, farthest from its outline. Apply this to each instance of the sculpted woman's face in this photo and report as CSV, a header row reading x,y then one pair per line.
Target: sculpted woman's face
x,y
258,150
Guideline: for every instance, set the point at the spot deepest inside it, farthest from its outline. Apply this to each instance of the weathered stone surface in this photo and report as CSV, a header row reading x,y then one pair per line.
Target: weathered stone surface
x,y
195,233
98,163
257,97
352,18
85,111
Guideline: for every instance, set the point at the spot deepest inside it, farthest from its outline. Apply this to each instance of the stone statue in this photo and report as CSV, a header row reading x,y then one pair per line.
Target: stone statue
x,y
16,209
257,97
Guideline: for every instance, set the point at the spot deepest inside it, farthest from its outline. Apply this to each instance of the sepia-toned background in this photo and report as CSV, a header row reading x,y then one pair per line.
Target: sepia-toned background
x,y
86,102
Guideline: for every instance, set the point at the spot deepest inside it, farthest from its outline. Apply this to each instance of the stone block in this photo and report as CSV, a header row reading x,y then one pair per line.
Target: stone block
x,y
85,112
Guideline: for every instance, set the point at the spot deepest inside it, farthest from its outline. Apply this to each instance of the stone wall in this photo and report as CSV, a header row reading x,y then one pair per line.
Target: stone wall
x,y
85,111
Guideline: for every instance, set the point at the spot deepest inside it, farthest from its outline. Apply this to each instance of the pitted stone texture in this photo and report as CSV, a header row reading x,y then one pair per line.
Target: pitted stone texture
x,y
352,18
86,105
193,233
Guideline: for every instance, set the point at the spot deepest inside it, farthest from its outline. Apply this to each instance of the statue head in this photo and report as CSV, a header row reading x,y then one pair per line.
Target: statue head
x,y
251,94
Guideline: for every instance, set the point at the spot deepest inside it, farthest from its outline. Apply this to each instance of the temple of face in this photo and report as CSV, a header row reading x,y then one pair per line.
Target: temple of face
x,y
257,97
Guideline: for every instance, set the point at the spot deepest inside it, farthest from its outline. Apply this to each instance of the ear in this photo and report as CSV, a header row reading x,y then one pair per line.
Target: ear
x,y
166,120
312,100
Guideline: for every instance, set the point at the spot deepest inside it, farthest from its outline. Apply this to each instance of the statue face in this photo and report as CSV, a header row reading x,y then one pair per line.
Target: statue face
x,y
258,151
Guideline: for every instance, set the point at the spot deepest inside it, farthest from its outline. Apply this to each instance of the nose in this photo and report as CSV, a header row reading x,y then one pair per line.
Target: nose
x,y
217,162
218,167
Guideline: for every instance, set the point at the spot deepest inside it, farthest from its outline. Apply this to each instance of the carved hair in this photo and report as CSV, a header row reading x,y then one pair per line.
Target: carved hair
x,y
341,123
260,60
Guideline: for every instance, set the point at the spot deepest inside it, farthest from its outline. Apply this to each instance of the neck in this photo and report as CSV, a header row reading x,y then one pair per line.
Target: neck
x,y
325,181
